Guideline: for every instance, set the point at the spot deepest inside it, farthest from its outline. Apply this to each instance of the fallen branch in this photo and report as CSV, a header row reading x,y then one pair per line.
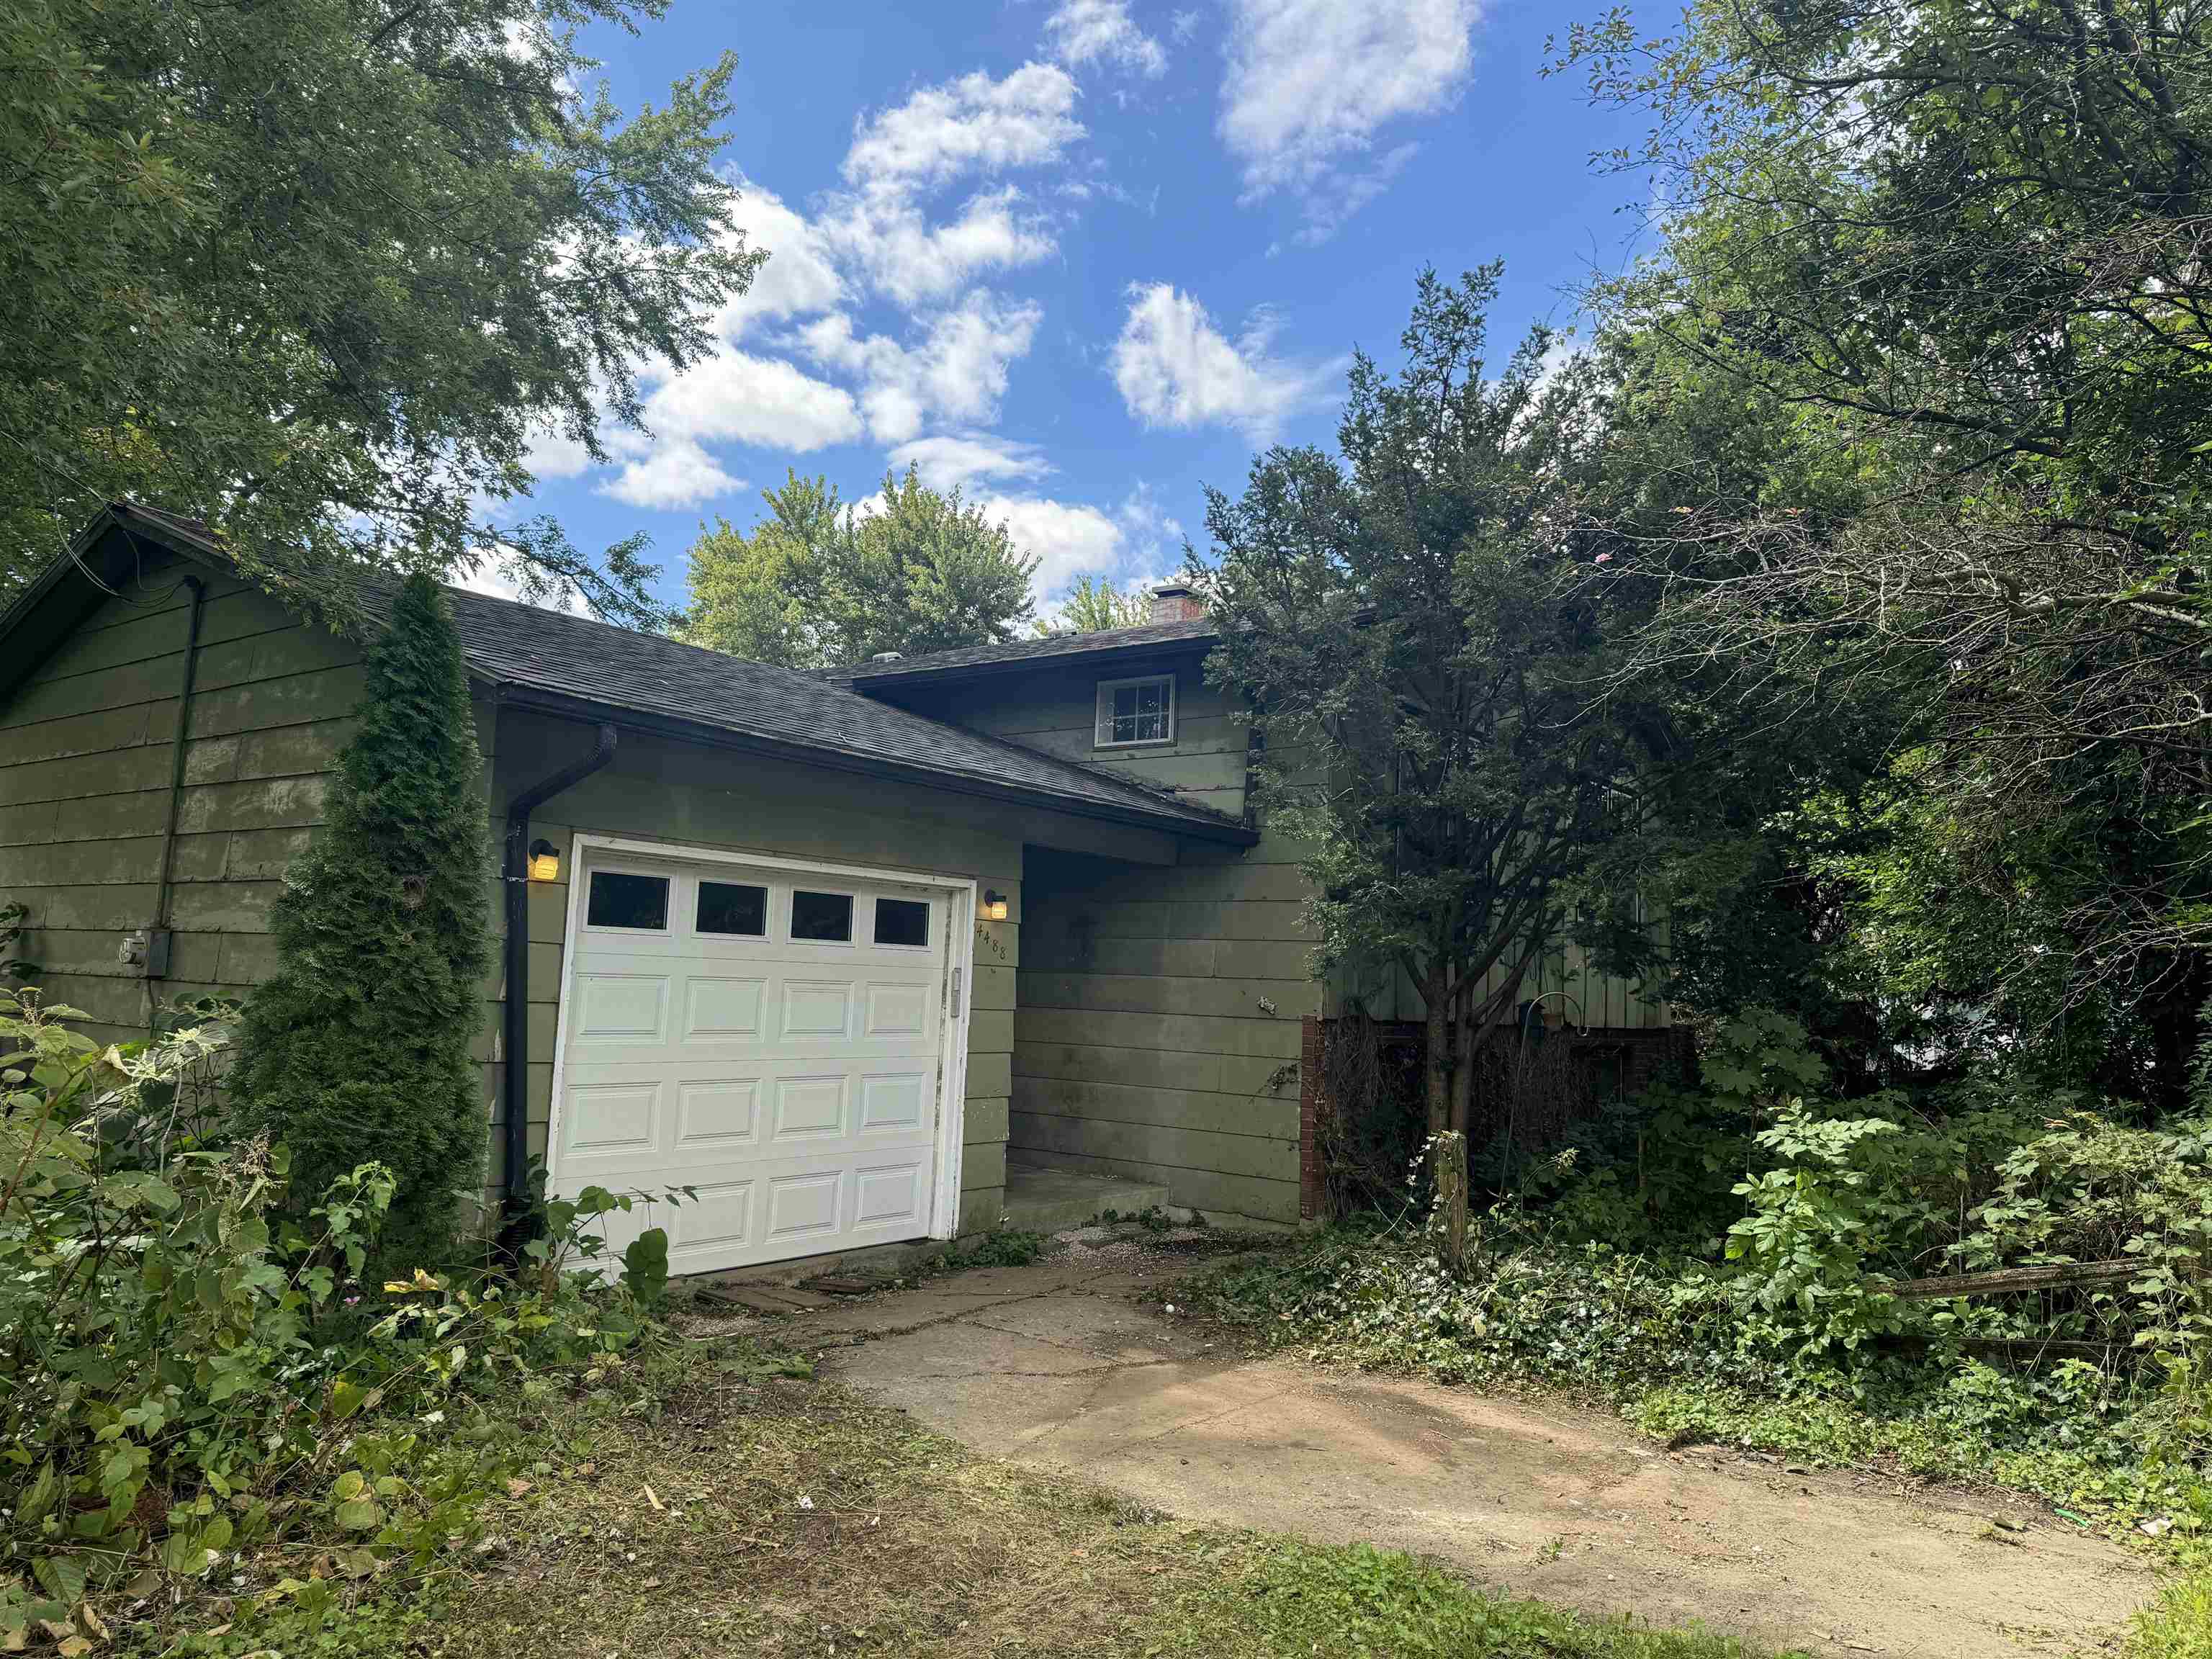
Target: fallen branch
x,y
2062,1276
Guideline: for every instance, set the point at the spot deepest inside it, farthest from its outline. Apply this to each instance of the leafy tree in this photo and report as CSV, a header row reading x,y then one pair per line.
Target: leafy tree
x,y
817,583
1093,607
1958,245
320,272
1420,682
356,1048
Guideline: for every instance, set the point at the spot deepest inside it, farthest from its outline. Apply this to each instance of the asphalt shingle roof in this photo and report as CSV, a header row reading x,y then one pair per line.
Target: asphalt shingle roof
x,y
524,646
520,644
1193,631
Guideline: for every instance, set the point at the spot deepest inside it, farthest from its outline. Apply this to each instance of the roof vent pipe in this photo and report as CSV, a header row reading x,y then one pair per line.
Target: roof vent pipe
x,y
888,656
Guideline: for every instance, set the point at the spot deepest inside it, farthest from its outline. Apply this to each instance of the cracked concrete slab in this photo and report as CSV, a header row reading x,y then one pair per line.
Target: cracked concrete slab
x,y
1061,1366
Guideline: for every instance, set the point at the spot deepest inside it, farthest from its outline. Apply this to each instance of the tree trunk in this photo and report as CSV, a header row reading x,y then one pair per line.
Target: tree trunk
x,y
1450,1173
1437,999
1462,1078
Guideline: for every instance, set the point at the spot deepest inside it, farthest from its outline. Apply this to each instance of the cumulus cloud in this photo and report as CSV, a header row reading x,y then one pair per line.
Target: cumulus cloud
x,y
798,279
732,395
1068,539
491,577
1175,368
955,372
954,461
972,124
670,473
1308,83
893,242
1102,31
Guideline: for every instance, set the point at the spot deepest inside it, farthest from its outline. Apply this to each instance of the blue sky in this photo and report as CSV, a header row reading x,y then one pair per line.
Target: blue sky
x,y
1083,257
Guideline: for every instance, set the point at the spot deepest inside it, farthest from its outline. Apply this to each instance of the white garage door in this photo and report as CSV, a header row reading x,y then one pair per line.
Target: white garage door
x,y
772,1037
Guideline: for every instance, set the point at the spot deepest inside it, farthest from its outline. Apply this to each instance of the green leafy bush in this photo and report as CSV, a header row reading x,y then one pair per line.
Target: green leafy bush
x,y
191,1363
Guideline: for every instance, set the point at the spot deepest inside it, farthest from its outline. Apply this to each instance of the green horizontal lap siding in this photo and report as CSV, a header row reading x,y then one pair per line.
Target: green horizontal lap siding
x,y
1156,1024
1054,710
85,754
692,795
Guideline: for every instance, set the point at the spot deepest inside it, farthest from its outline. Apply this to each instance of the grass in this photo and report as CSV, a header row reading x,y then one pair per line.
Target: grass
x,y
723,1501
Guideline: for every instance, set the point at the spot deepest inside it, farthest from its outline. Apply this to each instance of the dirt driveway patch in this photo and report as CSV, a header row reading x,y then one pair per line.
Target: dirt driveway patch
x,y
1062,1365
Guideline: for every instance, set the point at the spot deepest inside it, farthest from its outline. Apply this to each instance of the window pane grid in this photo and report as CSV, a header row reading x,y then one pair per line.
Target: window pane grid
x,y
1139,713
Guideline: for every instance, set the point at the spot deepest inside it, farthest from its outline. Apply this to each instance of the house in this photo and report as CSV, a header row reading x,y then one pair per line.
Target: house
x,y
860,957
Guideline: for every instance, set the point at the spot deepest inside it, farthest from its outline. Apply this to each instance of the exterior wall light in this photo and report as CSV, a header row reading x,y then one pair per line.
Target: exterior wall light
x,y
544,861
994,906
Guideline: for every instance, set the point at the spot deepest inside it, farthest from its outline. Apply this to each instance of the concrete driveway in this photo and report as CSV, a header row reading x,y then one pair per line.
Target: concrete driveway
x,y
1064,1365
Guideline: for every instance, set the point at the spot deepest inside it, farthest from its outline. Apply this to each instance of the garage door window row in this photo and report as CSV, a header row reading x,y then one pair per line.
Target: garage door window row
x,y
737,910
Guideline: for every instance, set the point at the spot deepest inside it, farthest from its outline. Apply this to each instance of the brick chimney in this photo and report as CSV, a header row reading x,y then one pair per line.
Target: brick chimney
x,y
1177,602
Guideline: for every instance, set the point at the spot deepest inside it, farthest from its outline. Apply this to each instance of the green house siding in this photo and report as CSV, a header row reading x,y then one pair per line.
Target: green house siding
x,y
1156,1027
1157,1032
86,758
690,794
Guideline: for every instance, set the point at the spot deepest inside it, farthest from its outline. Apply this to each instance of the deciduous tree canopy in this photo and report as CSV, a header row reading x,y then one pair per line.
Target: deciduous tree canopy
x,y
319,271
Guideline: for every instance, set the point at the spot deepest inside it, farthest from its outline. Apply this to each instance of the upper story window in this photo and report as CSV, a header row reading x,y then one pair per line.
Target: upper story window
x,y
1136,711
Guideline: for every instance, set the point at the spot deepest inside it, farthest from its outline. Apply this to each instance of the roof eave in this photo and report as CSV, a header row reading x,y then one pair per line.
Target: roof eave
x,y
958,673
522,694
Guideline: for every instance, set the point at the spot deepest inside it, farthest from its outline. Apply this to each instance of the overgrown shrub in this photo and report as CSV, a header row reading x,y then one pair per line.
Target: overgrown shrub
x,y
356,1049
192,1364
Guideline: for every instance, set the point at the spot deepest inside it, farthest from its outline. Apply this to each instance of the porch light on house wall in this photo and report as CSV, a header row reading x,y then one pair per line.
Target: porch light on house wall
x,y
544,861
994,906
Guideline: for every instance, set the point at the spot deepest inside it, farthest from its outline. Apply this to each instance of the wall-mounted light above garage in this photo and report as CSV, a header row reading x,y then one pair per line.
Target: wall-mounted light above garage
x,y
544,861
995,905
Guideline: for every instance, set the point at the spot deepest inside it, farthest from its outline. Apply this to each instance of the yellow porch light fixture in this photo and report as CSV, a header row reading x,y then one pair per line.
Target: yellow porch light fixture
x,y
994,906
544,861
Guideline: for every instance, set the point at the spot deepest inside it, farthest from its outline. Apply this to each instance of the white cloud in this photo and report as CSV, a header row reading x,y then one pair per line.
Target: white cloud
x,y
552,454
954,461
492,578
670,473
972,125
1175,368
1310,81
1068,539
798,279
1087,31
1184,24
891,241
957,372
732,395
1335,200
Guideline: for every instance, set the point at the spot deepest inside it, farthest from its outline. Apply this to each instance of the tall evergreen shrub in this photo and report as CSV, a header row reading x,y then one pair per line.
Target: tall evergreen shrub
x,y
357,1046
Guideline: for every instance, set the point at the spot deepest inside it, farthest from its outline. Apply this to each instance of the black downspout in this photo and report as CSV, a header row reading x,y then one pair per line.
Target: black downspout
x,y
156,963
515,1094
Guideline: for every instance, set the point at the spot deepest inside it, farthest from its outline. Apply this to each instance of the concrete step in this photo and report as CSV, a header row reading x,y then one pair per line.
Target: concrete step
x,y
1048,1201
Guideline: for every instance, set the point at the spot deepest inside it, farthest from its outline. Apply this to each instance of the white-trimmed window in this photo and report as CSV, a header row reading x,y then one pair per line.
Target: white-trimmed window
x,y
1136,711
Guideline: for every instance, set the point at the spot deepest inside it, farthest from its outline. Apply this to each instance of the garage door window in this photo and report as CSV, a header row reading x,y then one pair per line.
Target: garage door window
x,y
824,917
902,922
625,901
732,907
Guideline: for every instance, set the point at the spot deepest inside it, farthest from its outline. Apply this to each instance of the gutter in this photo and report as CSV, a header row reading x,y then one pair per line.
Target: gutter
x,y
514,1044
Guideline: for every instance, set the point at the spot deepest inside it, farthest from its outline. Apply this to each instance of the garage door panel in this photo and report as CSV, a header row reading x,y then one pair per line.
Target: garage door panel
x,y
723,1009
818,1008
613,1122
717,1116
803,1209
621,1008
896,1011
888,1196
808,1108
893,1102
